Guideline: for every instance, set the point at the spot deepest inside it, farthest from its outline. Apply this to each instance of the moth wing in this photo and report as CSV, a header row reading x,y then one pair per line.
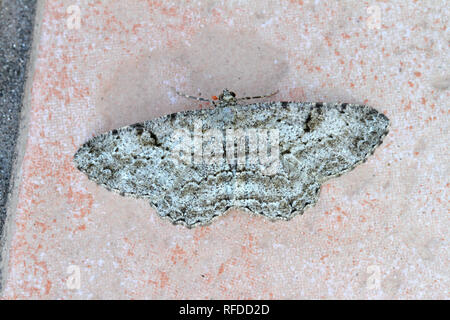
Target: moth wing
x,y
146,160
316,141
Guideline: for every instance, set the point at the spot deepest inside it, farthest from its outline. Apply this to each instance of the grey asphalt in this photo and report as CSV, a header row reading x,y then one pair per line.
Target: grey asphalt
x,y
16,30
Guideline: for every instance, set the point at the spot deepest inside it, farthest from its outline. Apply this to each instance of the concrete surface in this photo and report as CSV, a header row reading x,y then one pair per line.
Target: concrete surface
x,y
16,28
380,231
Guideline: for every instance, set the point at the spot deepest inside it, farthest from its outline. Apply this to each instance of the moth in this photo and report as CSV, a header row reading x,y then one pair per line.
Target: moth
x,y
268,158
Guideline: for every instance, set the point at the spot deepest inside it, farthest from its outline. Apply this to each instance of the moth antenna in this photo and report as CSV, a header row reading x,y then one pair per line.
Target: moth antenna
x,y
191,97
259,97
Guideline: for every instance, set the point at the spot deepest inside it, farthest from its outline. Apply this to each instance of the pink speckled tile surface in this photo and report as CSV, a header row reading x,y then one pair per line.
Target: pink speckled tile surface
x,y
380,231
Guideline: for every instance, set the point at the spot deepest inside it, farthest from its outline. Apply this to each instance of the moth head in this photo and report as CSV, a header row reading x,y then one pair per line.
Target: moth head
x,y
228,97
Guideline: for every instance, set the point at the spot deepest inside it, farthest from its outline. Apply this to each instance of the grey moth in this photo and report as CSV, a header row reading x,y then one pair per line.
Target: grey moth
x,y
267,158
